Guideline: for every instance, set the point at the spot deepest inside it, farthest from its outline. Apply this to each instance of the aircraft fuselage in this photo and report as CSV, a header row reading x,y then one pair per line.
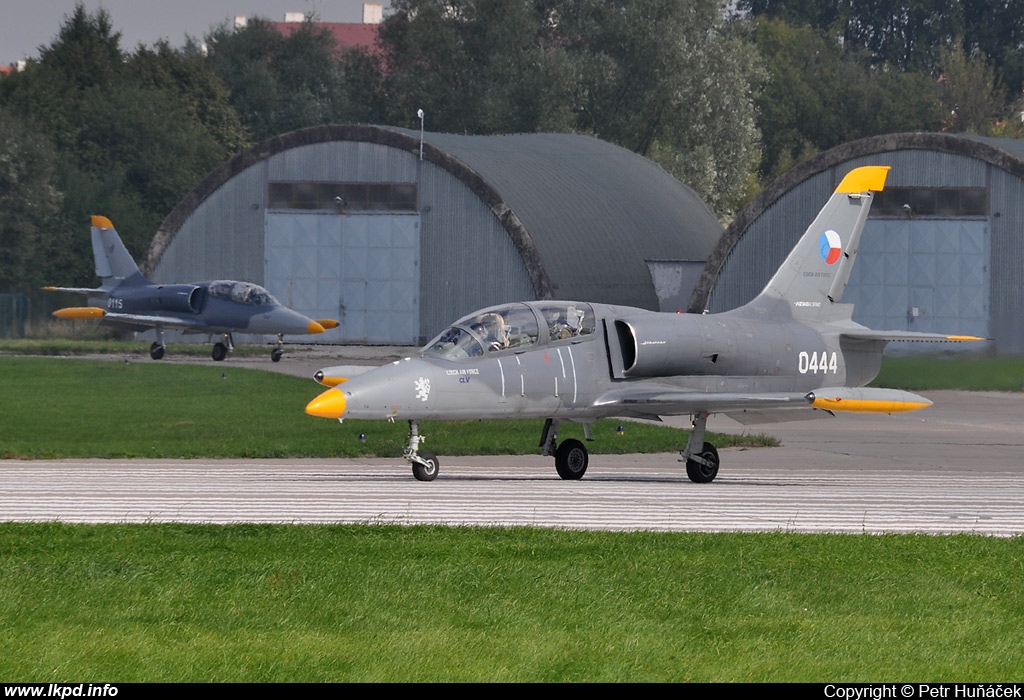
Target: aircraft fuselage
x,y
565,377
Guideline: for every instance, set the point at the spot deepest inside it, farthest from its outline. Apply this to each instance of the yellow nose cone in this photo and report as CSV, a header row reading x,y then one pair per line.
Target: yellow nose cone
x,y
314,328
330,404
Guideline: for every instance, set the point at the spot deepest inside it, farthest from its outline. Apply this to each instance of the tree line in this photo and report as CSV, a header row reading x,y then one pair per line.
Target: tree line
x,y
724,95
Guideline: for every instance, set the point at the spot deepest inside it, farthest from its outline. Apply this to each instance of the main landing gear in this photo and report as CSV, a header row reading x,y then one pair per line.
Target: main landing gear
x,y
701,457
571,457
156,350
221,350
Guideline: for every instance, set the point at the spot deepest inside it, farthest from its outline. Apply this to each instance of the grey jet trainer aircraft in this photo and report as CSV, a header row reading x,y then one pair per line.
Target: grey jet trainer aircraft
x,y
790,351
129,301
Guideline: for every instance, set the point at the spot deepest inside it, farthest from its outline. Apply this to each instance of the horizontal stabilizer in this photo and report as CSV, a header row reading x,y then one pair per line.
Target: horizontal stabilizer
x,y
79,312
909,336
866,400
75,290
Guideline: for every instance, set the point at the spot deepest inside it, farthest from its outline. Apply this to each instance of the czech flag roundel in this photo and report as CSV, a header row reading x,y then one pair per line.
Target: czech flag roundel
x,y
830,247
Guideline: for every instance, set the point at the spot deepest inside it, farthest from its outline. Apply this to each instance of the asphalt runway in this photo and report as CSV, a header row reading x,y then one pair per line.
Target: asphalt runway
x,y
953,468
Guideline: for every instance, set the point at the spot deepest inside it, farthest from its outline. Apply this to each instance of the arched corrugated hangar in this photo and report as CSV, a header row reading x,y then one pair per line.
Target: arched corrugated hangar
x,y
396,237
943,249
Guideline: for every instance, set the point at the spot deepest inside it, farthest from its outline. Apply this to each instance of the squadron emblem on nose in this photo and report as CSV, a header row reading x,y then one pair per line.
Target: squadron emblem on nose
x,y
422,386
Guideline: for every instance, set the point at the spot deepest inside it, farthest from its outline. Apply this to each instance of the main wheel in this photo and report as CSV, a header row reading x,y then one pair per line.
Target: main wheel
x,y
703,473
220,351
428,471
571,459
156,351
275,354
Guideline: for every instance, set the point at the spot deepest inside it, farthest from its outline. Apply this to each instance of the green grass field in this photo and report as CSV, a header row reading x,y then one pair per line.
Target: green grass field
x,y
378,603
963,371
62,407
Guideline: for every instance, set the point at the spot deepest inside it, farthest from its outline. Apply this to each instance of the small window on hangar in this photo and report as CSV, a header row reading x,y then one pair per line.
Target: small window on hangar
x,y
363,197
937,202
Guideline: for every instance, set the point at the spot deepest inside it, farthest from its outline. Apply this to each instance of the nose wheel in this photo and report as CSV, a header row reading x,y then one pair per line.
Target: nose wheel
x,y
425,464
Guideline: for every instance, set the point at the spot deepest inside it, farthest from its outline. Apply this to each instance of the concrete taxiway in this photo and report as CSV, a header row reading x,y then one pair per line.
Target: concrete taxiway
x,y
957,467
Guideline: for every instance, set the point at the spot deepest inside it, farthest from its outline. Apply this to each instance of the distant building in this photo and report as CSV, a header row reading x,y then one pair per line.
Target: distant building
x,y
396,237
348,35
942,250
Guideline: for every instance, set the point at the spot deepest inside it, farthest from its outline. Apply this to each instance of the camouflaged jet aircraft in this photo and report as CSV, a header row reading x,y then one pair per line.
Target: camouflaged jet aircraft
x,y
129,301
791,353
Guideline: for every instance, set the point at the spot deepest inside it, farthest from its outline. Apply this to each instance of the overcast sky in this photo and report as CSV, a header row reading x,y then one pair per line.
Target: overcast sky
x,y
25,25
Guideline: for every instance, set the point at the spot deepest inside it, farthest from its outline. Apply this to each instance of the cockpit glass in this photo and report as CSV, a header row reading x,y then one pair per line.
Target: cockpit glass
x,y
512,327
567,320
242,293
455,343
505,328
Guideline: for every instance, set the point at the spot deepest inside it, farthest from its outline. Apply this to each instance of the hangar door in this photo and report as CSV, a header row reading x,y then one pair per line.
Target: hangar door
x,y
362,270
929,275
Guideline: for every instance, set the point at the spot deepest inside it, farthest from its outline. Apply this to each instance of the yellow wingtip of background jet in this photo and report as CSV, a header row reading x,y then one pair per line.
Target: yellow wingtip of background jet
x,y
79,312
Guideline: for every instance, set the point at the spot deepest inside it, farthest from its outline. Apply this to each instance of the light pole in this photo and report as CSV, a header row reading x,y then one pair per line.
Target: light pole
x,y
419,113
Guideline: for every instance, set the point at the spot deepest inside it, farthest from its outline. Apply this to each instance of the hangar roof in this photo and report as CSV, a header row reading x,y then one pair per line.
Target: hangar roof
x,y
584,214
1007,154
586,201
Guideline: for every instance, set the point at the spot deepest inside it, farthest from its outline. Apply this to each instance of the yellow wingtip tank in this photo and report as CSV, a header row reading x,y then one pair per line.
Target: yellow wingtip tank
x,y
865,400
79,312
869,178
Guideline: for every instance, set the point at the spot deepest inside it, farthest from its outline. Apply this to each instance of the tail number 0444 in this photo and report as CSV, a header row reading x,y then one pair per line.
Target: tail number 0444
x,y
817,362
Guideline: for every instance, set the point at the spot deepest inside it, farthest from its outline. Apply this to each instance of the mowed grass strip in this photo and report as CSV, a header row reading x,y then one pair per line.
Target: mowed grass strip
x,y
964,371
63,407
385,603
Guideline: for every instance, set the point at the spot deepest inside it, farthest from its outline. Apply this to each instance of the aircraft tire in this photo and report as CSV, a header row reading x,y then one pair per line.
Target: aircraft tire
x,y
701,473
156,351
220,351
571,460
429,471
275,355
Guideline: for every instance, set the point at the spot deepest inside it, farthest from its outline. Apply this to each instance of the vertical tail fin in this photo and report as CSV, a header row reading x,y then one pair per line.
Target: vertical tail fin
x,y
810,283
114,264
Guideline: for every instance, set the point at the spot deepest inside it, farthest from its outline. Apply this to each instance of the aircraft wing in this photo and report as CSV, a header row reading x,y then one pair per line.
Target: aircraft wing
x,y
752,408
132,321
151,321
674,402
